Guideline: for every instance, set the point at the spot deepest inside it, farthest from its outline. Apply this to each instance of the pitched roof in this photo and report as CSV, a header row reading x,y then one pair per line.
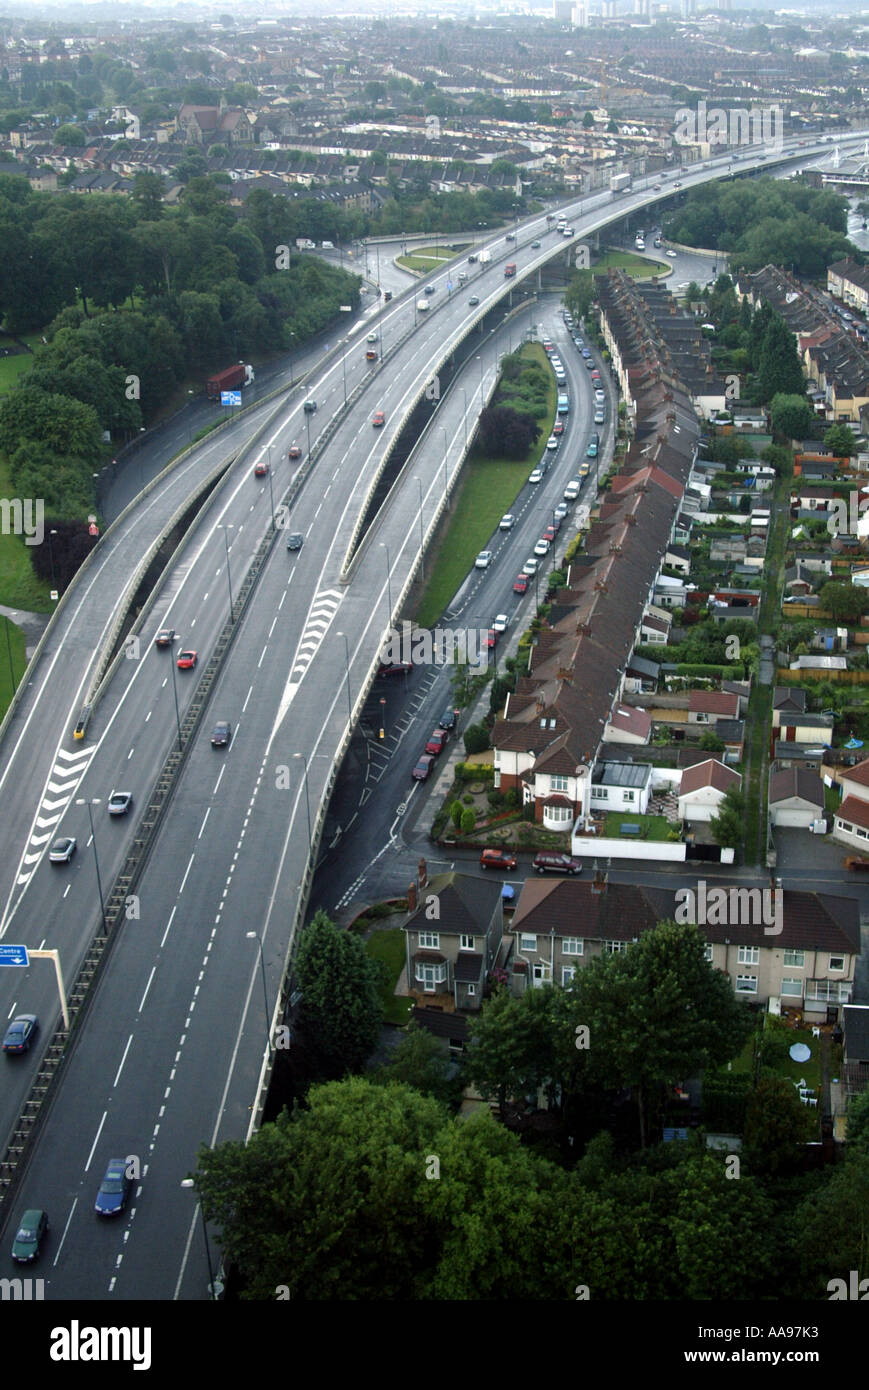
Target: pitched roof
x,y
711,773
465,904
796,781
858,774
713,702
854,810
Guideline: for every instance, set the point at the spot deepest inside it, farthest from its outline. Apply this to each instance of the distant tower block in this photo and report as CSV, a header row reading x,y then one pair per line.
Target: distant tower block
x,y
562,11
580,15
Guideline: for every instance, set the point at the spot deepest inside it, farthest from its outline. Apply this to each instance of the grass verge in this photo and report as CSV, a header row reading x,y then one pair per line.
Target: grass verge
x,y
19,586
388,946
19,661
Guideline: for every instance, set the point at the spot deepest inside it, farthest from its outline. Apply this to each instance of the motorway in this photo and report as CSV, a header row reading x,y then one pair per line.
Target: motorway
x,y
176,1036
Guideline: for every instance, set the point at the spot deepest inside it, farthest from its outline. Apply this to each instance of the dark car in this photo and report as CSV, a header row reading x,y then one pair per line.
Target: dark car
x,y
221,734
295,540
423,768
497,859
430,289
20,1033
119,803
395,668
32,1228
187,660
114,1188
309,407
448,719
547,862
435,744
165,637
62,849
473,301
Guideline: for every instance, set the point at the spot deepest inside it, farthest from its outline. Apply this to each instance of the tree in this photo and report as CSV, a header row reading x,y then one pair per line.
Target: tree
x,y
476,736
456,812
777,1126
712,743
420,1061
504,433
834,1229
857,1133
69,135
791,416
779,369
846,603
839,439
512,1044
148,194
469,820
728,823
340,1009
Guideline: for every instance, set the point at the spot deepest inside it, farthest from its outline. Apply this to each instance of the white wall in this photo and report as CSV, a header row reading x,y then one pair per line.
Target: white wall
x,y
627,847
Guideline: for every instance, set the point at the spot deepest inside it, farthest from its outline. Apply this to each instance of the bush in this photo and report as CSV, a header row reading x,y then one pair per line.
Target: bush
x,y
469,820
456,813
476,739
469,801
511,798
495,798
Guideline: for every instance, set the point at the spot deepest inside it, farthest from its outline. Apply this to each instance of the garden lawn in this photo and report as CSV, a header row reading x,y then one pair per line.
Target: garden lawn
x,y
658,828
19,586
388,946
638,266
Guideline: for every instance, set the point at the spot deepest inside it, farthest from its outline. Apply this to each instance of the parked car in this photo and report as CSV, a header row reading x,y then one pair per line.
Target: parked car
x,y
165,637
20,1034
500,622
448,719
221,734
547,862
549,534
32,1229
497,859
561,511
531,566
62,849
520,584
854,861
436,741
423,767
114,1189
542,547
571,492
483,560
491,639
119,803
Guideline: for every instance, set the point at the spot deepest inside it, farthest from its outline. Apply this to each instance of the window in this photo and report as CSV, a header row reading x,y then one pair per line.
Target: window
x,y
539,972
746,984
472,989
792,987
707,951
466,943
629,797
600,793
430,940
571,946
558,783
748,955
862,834
429,976
701,718
527,943
567,973
614,948
837,962
562,814
797,958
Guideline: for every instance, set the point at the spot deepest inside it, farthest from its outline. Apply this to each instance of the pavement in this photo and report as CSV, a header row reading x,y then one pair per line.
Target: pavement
x,y
32,625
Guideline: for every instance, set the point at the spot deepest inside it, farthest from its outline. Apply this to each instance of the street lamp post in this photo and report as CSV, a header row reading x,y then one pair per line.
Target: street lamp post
x,y
85,801
291,335
175,693
308,428
465,399
252,936
188,1182
421,549
347,672
12,684
271,488
307,799
388,579
51,557
446,476
224,527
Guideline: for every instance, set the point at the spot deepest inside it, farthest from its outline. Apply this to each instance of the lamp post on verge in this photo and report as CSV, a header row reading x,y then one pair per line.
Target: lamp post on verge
x,y
271,489
212,1287
252,936
446,476
175,693
225,526
421,550
86,801
347,673
465,399
307,799
51,533
385,547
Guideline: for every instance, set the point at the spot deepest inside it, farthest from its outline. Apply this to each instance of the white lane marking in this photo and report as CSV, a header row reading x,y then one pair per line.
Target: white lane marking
x,y
147,987
202,826
65,1229
186,872
96,1139
123,1060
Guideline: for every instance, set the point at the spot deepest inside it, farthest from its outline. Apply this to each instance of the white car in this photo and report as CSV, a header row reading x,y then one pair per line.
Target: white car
x,y
500,622
372,337
561,511
671,254
536,476
552,442
531,566
571,492
507,522
483,560
542,547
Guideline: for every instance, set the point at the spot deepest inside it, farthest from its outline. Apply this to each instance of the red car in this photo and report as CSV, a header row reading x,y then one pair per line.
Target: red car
x,y
558,427
378,419
295,451
436,742
395,668
549,534
423,768
260,470
187,660
520,584
491,638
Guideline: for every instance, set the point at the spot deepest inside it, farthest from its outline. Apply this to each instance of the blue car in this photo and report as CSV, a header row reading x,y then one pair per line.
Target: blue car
x,y
114,1188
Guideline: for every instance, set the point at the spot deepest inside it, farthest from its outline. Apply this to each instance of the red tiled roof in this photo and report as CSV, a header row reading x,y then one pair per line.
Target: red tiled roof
x,y
712,773
854,810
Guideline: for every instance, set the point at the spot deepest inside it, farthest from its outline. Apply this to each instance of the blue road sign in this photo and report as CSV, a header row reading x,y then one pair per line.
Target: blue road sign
x,y
13,955
230,398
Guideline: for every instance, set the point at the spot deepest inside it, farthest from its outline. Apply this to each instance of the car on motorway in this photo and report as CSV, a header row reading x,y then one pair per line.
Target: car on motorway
x,y
309,407
187,660
378,419
32,1229
535,246
520,584
561,511
552,442
658,241
507,522
221,734
497,859
372,337
483,560
558,427
62,849
295,540
671,253
542,547
20,1034
536,476
119,803
114,1189
474,300
511,236
295,452
430,289
531,566
436,741
657,187
500,622
678,183
448,719
371,354
472,258
165,637
548,862
423,767
260,469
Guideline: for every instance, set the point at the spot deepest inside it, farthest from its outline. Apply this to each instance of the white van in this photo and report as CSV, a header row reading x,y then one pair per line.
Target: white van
x,y
422,306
